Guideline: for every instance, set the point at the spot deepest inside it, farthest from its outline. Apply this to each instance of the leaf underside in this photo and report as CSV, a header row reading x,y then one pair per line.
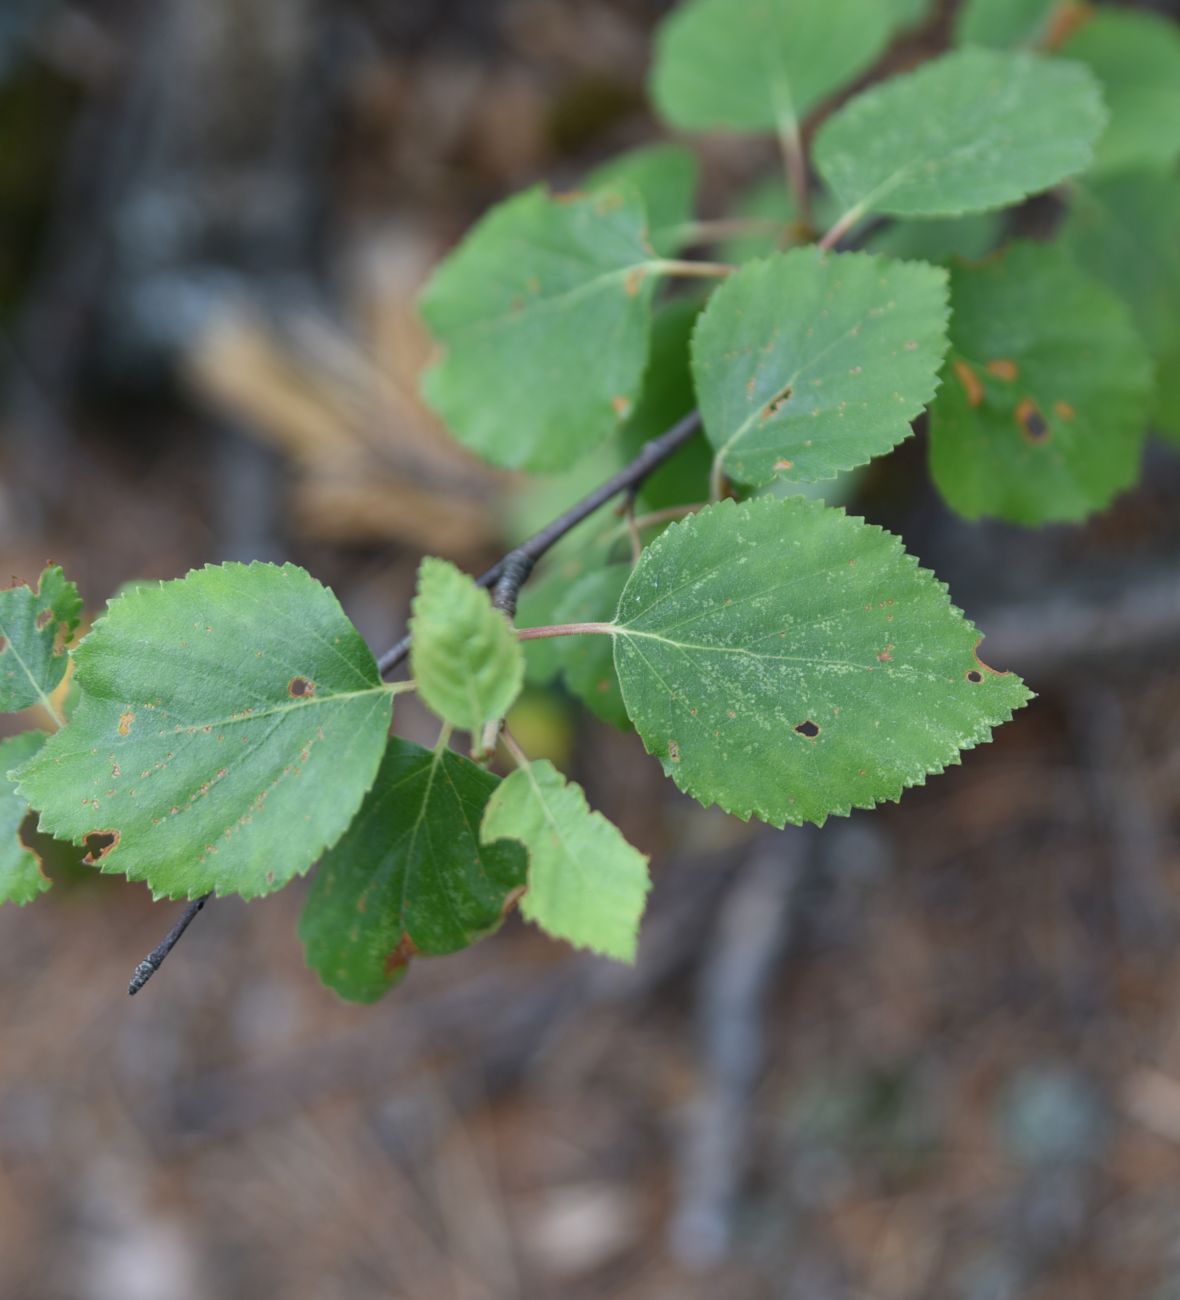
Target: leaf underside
x,y
973,130
228,726
1042,413
543,315
586,884
751,65
787,662
409,876
807,364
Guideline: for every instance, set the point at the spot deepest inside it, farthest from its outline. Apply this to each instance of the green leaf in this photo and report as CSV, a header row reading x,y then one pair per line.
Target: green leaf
x,y
1042,413
973,130
1002,24
788,662
1136,57
666,177
938,239
807,364
668,395
36,626
587,662
464,654
586,884
21,877
543,314
906,14
760,65
229,725
410,875
1125,231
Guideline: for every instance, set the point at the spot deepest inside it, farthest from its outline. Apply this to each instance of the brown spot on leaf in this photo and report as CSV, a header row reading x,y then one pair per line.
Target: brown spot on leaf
x,y
808,729
885,657
43,619
399,958
674,751
621,405
634,281
776,403
1064,411
1033,424
99,844
970,382
784,464
125,722
3,644
974,675
299,688
1004,369
1067,18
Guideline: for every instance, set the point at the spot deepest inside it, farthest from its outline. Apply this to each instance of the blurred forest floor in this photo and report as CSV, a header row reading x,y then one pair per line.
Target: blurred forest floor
x,y
931,1053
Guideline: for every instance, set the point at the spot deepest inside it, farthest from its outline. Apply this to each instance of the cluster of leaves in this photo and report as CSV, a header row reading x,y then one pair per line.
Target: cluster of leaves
x,y
781,659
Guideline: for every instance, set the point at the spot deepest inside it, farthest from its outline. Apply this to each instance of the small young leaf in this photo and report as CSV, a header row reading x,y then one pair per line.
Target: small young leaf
x,y
788,662
586,884
807,364
464,654
36,626
409,875
1124,232
761,65
973,130
21,877
1003,24
587,662
543,313
228,727
666,177
1042,412
1136,57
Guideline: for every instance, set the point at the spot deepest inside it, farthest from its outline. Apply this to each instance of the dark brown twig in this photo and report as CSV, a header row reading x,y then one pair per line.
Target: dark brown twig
x,y
155,959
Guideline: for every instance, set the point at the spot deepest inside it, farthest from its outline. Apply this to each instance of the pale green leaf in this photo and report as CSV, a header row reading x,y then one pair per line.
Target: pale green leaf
x,y
788,662
543,315
1125,231
666,177
905,14
409,875
229,725
587,662
807,364
755,65
36,627
1136,57
1042,412
1003,24
973,130
586,884
464,654
21,877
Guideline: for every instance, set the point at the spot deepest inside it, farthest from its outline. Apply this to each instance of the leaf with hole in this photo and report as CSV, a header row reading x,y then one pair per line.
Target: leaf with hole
x,y
666,177
228,726
543,315
973,130
586,884
1125,231
807,364
410,875
761,65
464,654
1042,412
36,627
787,662
1136,58
21,877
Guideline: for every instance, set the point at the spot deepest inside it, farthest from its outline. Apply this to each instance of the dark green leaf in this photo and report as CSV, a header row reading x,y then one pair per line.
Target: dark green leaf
x,y
410,875
587,662
36,626
21,877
